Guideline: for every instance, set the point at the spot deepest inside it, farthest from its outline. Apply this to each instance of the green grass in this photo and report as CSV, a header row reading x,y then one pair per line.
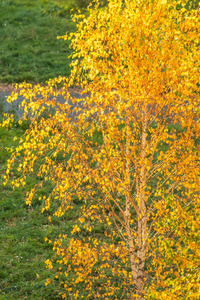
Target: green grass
x,y
30,50
22,232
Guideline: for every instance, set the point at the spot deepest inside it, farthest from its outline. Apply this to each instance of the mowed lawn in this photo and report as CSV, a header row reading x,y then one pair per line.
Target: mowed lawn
x,y
23,230
29,51
29,48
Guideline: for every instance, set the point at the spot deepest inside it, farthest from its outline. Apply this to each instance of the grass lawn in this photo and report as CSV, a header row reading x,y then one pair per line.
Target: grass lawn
x,y
29,48
22,232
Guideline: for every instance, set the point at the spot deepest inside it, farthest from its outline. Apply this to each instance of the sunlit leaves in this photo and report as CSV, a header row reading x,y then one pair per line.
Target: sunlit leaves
x,y
128,156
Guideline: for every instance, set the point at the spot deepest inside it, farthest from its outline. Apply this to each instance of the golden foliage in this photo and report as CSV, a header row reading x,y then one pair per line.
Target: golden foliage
x,y
130,152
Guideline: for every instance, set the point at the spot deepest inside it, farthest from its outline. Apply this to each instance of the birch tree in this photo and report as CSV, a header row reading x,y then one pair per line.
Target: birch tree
x,y
137,65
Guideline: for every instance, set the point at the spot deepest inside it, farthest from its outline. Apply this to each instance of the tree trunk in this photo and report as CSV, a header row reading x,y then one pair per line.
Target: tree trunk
x,y
142,218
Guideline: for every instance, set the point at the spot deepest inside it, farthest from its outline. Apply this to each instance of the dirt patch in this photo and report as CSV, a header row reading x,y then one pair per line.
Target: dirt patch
x,y
5,87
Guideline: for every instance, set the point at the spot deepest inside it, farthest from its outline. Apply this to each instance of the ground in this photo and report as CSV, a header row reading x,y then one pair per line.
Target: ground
x,y
4,87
